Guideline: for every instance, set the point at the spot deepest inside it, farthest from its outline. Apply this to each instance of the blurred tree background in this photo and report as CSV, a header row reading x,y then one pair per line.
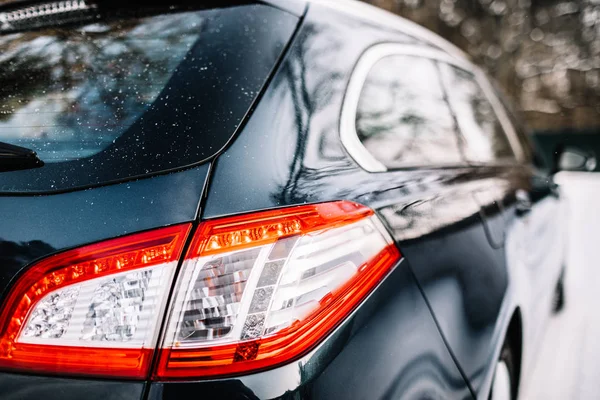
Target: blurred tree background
x,y
544,53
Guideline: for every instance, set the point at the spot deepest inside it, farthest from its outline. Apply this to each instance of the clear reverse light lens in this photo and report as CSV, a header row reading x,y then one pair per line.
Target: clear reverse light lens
x,y
246,294
242,306
120,309
93,310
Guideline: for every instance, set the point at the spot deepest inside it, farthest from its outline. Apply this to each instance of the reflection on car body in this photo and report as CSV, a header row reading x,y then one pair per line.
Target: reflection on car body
x,y
384,134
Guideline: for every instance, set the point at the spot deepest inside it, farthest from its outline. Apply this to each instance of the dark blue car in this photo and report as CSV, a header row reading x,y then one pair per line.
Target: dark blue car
x,y
262,199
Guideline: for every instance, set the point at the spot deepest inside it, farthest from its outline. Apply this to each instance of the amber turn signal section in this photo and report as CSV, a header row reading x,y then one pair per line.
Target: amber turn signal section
x,y
252,230
70,268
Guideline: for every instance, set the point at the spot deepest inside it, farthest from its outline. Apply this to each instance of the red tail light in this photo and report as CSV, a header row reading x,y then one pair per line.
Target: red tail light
x,y
253,292
92,310
260,290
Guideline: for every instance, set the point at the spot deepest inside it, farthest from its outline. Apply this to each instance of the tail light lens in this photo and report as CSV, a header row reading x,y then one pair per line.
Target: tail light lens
x,y
94,310
260,290
254,291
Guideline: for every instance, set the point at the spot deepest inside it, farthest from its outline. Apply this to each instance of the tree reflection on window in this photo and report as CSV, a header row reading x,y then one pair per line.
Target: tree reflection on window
x,y
483,133
403,116
69,92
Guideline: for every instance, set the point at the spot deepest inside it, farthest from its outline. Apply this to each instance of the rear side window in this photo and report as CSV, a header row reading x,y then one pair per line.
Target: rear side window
x,y
404,117
484,136
108,93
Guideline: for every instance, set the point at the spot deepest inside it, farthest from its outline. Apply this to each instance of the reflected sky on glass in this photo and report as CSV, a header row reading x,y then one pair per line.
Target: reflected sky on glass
x,y
403,115
69,92
485,138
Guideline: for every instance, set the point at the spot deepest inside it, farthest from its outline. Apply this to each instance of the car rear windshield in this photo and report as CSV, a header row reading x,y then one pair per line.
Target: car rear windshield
x,y
104,94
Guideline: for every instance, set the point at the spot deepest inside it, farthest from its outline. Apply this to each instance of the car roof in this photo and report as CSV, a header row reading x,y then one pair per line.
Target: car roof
x,y
378,16
355,8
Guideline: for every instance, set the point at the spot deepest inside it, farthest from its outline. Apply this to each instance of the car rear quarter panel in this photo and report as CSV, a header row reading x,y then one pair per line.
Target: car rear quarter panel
x,y
389,348
451,224
290,153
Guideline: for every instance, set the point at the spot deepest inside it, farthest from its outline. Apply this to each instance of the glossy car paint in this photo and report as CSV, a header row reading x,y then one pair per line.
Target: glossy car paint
x,y
475,257
389,348
479,261
37,226
19,387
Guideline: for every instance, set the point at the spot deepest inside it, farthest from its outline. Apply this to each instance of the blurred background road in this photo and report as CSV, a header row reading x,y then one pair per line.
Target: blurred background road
x,y
568,366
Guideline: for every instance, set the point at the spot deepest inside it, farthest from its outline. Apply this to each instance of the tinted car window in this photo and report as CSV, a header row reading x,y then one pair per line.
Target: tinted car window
x,y
403,116
118,93
484,136
71,92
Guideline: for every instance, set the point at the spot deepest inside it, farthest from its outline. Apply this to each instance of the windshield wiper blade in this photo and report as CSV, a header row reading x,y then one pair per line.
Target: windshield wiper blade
x,y
14,158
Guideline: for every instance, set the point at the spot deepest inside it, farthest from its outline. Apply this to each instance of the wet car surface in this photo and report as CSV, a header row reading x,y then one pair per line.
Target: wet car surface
x,y
350,119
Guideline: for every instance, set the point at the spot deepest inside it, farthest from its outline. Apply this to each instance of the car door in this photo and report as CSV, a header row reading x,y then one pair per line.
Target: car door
x,y
473,228
522,204
542,213
448,223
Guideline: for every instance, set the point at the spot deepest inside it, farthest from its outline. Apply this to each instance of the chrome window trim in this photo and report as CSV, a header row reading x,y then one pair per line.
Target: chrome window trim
x,y
348,133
